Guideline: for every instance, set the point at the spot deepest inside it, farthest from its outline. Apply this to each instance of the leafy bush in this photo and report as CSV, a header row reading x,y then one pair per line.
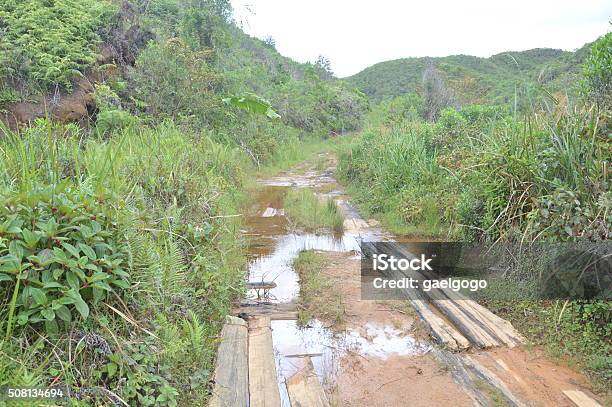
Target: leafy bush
x,y
50,42
156,205
8,96
480,113
59,254
546,179
597,71
174,80
451,120
109,121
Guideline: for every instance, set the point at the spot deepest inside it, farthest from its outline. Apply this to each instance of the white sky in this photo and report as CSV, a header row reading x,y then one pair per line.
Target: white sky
x,y
355,34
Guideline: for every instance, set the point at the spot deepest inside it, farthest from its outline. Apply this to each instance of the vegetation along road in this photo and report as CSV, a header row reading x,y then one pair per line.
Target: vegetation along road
x,y
183,212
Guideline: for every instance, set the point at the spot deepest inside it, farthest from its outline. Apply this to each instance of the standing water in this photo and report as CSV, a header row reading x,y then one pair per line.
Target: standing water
x,y
272,250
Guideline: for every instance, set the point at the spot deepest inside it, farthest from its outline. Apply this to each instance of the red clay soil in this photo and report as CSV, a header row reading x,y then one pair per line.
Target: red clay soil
x,y
369,381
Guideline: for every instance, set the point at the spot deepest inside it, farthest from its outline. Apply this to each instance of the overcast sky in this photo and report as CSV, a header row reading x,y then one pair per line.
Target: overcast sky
x,y
355,34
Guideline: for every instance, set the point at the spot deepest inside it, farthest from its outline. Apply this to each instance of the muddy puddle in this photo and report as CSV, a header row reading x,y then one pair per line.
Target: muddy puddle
x,y
272,249
277,266
325,349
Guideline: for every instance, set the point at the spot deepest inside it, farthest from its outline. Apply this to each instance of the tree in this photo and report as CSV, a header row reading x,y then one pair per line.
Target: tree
x,y
324,67
597,71
270,42
436,96
203,22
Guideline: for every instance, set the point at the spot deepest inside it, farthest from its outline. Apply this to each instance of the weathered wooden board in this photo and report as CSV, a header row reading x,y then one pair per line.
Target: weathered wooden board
x,y
442,331
231,387
480,326
272,310
305,389
488,376
263,382
580,399
516,377
477,381
446,335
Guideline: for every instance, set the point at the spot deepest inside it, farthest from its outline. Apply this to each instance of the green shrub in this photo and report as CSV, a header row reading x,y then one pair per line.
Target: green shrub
x,y
59,255
481,113
106,98
109,121
49,42
8,96
173,80
157,203
597,71
451,120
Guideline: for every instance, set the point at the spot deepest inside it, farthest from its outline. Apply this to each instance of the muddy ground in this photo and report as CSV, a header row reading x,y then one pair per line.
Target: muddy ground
x,y
380,354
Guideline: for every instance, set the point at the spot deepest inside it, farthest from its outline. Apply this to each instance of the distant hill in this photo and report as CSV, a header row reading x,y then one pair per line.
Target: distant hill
x,y
475,79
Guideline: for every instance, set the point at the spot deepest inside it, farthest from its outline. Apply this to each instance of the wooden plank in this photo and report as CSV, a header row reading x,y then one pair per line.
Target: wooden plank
x,y
252,304
466,326
516,377
495,381
231,369
580,399
483,328
477,381
305,389
274,311
516,337
443,332
263,382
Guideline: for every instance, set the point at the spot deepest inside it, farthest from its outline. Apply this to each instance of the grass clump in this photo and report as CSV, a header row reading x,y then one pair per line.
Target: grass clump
x,y
318,298
304,209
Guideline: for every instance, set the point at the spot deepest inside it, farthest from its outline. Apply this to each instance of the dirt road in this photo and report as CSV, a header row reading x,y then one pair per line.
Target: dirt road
x,y
381,353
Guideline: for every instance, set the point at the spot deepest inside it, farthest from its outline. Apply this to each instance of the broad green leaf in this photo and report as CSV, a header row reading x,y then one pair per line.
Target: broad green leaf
x,y
89,252
5,277
59,255
252,103
16,249
66,300
53,284
30,238
102,285
48,314
121,283
64,313
73,250
39,295
80,305
51,327
73,280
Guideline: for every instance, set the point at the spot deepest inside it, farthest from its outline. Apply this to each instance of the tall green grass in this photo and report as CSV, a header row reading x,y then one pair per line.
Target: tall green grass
x,y
305,209
545,176
175,197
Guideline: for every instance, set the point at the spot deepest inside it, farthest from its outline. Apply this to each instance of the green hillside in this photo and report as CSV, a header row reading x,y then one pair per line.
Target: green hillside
x,y
474,79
